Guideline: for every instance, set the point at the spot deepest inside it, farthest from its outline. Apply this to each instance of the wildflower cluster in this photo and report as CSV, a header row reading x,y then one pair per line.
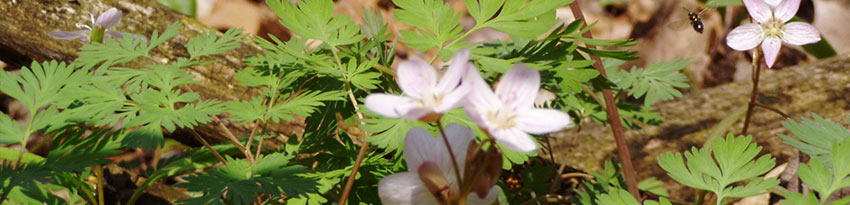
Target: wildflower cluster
x,y
508,115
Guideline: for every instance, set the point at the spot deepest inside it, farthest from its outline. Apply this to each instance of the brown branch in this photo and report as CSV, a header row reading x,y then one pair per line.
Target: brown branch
x,y
613,114
754,92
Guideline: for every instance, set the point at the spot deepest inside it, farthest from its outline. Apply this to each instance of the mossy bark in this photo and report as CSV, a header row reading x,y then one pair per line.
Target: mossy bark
x,y
822,87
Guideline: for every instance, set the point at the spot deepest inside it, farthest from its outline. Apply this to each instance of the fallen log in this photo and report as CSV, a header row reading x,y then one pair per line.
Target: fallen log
x,y
821,87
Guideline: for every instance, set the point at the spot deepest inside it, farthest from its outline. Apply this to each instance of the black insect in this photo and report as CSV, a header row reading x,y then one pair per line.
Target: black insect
x,y
694,19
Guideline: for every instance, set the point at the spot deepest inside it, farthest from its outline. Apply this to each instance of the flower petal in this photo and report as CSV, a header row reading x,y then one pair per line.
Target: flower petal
x,y
745,37
109,18
491,197
759,11
518,87
799,33
541,121
459,138
770,47
515,139
65,35
772,3
421,146
416,78
404,188
457,68
480,99
786,10
393,106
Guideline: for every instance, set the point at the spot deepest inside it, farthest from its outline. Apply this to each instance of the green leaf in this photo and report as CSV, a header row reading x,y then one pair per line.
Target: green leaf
x,y
302,105
718,3
240,181
732,163
571,79
184,7
821,49
435,23
522,18
654,186
359,75
389,133
657,82
617,196
798,198
816,136
148,137
823,180
208,43
10,130
315,19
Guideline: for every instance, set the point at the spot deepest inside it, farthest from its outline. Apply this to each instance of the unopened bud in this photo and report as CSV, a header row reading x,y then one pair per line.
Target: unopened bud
x,y
433,178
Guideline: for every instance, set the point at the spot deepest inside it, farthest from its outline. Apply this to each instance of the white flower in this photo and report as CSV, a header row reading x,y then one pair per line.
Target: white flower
x,y
431,177
509,114
104,22
771,29
424,96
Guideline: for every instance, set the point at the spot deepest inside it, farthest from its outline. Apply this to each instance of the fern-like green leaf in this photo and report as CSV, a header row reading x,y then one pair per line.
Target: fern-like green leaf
x,y
359,75
657,81
523,18
208,43
435,21
823,180
302,105
815,136
732,162
240,181
315,19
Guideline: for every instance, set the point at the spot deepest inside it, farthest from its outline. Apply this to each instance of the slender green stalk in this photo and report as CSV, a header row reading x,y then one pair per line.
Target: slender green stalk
x,y
207,145
474,28
99,174
363,149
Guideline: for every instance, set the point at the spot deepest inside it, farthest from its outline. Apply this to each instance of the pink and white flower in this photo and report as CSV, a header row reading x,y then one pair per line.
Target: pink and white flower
x,y
431,177
104,23
424,95
771,29
509,114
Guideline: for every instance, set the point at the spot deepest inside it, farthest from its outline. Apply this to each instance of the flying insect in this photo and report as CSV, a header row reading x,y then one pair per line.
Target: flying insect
x,y
694,19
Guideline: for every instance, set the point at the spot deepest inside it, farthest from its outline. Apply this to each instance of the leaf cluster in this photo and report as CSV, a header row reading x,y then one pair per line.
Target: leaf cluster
x,y
719,167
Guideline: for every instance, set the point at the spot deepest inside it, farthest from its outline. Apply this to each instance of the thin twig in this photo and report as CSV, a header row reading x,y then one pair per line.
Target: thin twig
x,y
768,107
754,92
613,113
207,145
363,149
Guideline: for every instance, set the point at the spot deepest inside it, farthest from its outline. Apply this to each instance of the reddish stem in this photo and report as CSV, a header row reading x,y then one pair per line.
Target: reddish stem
x,y
613,114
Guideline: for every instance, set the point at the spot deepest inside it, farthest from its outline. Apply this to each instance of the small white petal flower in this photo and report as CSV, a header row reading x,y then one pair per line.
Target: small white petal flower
x,y
427,157
509,114
772,28
424,94
105,21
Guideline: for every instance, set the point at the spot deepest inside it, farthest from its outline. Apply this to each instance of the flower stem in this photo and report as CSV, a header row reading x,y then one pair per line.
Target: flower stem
x,y
613,114
207,145
99,174
754,92
363,149
451,152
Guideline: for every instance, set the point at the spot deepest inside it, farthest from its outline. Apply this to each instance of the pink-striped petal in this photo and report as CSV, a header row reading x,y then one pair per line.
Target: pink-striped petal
x,y
416,78
786,10
799,33
772,3
514,139
770,47
518,87
457,68
65,35
391,105
759,11
541,121
109,18
421,146
404,188
745,37
480,99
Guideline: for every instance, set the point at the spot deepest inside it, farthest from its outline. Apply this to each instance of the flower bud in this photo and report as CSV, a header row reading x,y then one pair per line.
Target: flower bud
x,y
437,184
